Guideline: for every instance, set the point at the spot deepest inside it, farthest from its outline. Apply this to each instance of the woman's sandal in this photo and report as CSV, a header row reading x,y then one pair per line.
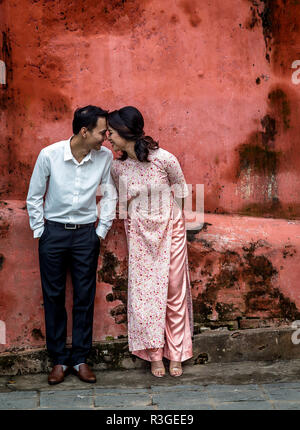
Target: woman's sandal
x,y
159,371
175,369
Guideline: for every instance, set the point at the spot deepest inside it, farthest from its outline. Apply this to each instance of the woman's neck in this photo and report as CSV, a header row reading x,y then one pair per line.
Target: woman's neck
x,y
130,150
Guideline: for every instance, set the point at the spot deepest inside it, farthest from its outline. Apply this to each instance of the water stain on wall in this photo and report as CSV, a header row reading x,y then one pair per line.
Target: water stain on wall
x,y
89,17
190,7
2,258
257,159
253,21
257,168
174,19
233,285
55,107
280,104
259,162
279,20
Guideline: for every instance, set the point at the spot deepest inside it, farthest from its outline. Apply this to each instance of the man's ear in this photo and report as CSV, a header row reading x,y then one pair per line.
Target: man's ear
x,y
83,131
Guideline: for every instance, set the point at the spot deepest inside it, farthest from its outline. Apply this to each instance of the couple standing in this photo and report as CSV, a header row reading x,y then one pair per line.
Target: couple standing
x,y
61,204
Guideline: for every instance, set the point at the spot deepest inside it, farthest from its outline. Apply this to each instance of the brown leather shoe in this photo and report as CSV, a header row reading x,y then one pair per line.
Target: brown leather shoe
x,y
85,373
57,374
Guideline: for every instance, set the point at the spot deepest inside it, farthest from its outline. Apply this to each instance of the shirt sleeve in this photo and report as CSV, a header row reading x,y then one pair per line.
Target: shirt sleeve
x,y
176,177
35,196
108,201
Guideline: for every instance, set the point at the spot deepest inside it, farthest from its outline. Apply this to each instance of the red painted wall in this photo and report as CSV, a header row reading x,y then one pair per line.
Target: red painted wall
x,y
214,82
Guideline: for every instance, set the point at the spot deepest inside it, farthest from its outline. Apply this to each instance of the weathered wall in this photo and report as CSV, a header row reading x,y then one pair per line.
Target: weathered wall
x,y
214,82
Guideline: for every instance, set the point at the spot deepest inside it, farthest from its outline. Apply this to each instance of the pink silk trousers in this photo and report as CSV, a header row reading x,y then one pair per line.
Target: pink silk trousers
x,y
178,340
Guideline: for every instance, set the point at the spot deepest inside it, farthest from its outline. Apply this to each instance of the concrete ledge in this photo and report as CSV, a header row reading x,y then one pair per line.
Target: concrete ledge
x,y
214,346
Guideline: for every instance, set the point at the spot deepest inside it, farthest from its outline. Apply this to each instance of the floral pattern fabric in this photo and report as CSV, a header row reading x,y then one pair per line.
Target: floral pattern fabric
x,y
148,228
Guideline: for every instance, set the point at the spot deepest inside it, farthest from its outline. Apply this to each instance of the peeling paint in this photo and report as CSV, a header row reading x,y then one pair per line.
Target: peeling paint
x,y
37,334
249,278
4,227
257,171
115,272
289,251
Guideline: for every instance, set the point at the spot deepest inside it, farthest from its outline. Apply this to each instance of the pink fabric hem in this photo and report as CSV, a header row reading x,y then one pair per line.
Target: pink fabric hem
x,y
143,354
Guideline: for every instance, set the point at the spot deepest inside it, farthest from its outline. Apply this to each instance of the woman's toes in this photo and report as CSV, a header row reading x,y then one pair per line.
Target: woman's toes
x,y
175,368
158,369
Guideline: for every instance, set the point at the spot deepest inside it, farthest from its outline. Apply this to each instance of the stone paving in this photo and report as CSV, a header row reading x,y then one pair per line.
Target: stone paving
x,y
137,390
281,396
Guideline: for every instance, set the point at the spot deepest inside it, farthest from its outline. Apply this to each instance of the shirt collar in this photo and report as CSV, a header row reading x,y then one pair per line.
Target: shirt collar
x,y
69,156
91,155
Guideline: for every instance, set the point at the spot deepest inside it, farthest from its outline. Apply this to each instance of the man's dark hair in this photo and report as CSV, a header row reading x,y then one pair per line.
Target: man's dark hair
x,y
87,117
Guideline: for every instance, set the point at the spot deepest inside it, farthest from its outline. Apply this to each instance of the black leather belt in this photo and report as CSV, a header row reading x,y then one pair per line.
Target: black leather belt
x,y
69,226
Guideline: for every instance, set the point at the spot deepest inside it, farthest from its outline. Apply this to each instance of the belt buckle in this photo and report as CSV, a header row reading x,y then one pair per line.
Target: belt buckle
x,y
70,228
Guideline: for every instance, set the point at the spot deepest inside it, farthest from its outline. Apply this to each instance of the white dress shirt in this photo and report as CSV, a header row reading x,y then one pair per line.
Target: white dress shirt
x,y
71,188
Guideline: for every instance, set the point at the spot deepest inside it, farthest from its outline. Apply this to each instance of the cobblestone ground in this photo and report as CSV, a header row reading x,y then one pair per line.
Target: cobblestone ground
x,y
254,386
282,396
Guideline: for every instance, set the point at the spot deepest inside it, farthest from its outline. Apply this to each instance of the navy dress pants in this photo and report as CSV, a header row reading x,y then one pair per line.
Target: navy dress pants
x,y
60,248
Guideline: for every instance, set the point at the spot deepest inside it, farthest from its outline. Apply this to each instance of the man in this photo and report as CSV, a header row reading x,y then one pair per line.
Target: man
x,y
69,172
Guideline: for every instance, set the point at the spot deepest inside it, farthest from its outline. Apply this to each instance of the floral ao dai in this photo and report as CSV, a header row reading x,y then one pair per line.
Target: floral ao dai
x,y
149,231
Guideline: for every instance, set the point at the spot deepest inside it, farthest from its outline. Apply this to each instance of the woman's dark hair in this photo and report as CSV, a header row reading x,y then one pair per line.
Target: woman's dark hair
x,y
87,117
129,123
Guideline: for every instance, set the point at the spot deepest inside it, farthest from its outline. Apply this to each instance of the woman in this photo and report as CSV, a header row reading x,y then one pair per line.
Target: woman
x,y
160,321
